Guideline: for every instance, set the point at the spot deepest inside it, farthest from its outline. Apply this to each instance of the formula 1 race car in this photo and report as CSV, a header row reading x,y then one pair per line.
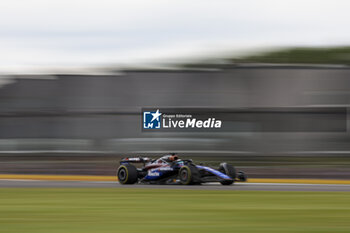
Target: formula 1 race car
x,y
169,169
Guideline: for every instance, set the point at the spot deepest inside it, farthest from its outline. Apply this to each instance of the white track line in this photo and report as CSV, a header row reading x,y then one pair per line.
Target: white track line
x,y
209,184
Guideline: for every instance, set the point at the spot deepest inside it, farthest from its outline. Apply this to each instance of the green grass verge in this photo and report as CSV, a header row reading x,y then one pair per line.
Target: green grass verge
x,y
147,210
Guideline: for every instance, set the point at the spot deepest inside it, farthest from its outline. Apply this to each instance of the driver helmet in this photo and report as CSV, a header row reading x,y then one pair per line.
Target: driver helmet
x,y
173,157
170,158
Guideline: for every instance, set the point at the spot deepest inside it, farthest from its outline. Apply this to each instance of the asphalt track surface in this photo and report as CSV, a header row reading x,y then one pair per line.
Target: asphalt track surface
x,y
211,186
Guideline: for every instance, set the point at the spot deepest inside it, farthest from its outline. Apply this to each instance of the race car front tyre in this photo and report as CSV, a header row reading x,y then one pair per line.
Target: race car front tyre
x,y
188,175
228,170
127,174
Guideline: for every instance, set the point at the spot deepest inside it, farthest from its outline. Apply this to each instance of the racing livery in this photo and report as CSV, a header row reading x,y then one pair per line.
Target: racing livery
x,y
170,169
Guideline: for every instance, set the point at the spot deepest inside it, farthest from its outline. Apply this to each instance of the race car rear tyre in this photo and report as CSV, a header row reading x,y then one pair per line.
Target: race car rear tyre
x,y
127,174
188,175
228,170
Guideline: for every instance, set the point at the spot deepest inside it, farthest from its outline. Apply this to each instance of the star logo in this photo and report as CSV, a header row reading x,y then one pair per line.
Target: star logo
x,y
151,120
156,115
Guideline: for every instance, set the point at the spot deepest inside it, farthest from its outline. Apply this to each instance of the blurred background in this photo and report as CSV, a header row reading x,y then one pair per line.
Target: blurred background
x,y
74,76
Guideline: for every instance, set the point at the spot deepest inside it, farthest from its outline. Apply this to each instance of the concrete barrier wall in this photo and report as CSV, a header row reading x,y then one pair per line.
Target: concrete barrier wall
x,y
103,111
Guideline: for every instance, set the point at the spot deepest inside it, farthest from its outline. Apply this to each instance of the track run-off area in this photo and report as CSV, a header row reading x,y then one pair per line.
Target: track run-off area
x,y
44,204
61,181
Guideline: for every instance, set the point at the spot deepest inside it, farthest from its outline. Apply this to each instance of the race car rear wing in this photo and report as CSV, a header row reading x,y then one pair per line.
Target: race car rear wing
x,y
135,160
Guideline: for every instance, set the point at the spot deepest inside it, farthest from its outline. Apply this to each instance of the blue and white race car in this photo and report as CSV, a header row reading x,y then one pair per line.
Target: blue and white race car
x,y
170,169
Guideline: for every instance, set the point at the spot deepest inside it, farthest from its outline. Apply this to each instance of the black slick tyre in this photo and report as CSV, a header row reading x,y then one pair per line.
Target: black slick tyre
x,y
127,174
188,175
